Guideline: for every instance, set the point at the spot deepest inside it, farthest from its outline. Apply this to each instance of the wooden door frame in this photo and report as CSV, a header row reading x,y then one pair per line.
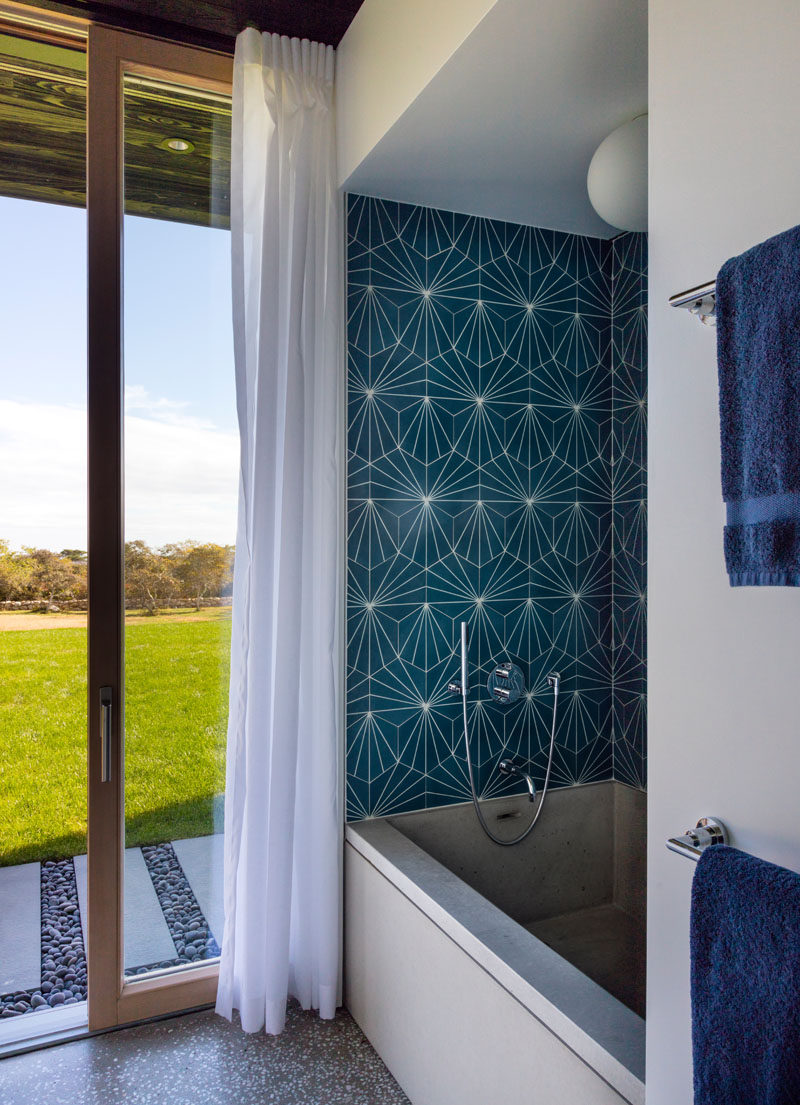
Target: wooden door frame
x,y
113,999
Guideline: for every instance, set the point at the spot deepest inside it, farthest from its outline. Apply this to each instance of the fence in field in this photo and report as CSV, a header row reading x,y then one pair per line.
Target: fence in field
x,y
72,605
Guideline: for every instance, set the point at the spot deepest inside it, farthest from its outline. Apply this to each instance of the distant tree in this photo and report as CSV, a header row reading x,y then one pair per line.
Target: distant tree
x,y
203,569
189,571
80,588
78,559
52,576
15,574
149,581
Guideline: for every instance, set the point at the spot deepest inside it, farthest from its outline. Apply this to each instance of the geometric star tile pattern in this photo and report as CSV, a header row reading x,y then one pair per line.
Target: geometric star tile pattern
x,y
496,447
629,502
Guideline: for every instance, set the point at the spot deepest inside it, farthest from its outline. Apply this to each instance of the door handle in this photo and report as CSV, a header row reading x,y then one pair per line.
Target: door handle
x,y
105,734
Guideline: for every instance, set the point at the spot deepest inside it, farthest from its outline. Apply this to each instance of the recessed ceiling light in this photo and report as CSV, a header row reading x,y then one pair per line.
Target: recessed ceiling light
x,y
177,145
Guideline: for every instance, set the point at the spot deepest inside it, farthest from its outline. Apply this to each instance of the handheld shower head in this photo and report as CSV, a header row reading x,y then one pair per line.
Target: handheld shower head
x,y
461,686
464,659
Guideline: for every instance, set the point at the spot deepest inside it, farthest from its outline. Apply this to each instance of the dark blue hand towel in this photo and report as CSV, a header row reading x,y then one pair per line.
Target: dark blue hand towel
x,y
745,931
758,353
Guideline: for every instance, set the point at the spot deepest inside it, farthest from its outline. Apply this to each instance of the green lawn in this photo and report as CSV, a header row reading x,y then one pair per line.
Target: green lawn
x,y
176,711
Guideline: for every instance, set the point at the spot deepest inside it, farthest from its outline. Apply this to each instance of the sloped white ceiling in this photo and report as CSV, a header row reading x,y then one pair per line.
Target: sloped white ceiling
x,y
507,125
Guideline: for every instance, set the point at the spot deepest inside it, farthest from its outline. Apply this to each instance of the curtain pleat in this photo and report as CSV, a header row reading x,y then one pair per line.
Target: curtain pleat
x,y
282,804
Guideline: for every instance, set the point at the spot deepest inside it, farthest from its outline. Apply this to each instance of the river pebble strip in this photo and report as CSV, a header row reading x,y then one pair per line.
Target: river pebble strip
x,y
63,954
187,925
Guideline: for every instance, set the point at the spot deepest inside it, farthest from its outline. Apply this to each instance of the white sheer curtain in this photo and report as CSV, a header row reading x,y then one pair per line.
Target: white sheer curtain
x,y
282,804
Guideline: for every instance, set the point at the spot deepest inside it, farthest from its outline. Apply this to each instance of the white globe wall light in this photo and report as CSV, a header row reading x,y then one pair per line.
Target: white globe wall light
x,y
617,179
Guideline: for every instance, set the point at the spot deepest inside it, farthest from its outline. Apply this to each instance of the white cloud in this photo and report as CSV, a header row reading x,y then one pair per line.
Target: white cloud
x,y
181,475
138,399
182,481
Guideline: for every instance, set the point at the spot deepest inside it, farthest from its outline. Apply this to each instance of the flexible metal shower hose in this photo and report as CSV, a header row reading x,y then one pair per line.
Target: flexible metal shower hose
x,y
476,803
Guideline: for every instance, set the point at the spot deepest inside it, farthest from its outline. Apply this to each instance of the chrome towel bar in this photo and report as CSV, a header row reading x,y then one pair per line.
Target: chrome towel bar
x,y
700,301
708,831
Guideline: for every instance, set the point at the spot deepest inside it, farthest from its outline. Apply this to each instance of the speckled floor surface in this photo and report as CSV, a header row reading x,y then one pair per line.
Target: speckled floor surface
x,y
201,1059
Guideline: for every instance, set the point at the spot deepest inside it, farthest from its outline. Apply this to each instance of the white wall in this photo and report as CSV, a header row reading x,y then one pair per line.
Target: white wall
x,y
724,682
387,56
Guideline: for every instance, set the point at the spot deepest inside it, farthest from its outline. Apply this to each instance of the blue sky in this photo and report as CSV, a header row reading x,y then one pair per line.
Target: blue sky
x,y
181,433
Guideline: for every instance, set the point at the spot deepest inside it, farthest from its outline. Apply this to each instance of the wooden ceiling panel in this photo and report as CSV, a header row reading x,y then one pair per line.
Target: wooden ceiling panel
x,y
215,23
42,125
43,106
43,138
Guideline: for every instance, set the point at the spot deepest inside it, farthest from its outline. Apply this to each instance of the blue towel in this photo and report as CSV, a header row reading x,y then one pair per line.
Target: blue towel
x,y
758,353
745,931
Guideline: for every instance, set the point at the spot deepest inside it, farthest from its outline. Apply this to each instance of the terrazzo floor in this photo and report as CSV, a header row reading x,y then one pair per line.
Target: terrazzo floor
x,y
201,1059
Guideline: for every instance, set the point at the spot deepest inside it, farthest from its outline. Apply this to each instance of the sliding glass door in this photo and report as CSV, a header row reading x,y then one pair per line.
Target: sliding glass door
x,y
181,465
163,472
119,623
43,540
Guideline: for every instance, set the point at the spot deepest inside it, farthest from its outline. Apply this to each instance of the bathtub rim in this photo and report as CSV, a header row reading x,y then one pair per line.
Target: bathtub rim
x,y
594,1025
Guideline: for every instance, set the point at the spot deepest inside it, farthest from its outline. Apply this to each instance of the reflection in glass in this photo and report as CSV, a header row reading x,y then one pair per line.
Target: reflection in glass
x,y
42,533
181,490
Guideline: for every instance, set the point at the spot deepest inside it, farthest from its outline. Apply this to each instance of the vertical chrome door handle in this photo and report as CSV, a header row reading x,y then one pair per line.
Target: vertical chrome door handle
x,y
105,734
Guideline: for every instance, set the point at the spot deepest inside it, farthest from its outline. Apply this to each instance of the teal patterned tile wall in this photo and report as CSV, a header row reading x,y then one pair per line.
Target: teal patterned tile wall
x,y
481,466
629,496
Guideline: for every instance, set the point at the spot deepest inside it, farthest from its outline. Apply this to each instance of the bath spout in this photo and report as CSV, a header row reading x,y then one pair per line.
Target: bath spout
x,y
508,767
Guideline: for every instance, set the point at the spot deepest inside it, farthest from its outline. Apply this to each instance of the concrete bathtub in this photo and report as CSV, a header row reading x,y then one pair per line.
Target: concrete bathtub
x,y
483,974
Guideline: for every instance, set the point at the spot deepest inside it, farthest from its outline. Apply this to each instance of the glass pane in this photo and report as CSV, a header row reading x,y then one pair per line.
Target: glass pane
x,y
181,491
42,534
